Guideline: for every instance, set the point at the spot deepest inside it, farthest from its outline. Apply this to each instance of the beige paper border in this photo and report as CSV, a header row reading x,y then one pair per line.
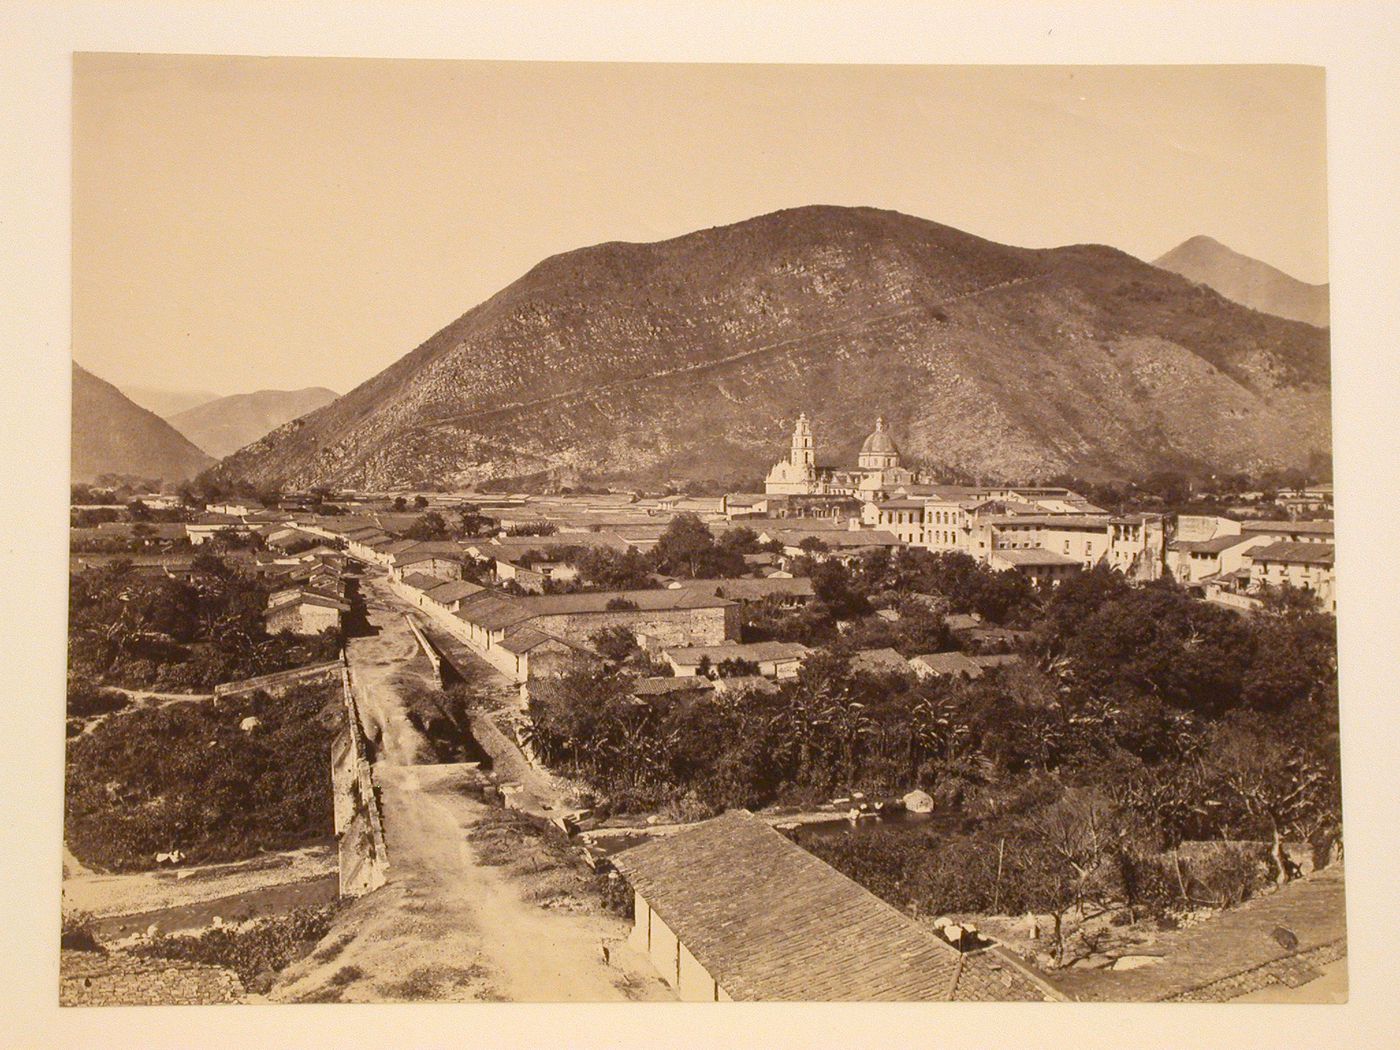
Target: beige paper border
x,y
1357,42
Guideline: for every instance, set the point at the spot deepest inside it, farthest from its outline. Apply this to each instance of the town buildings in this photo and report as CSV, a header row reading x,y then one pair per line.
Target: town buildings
x,y
877,470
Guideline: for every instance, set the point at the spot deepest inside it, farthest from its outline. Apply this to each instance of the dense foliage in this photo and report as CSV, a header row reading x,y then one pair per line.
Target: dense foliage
x,y
187,776
1137,711
165,634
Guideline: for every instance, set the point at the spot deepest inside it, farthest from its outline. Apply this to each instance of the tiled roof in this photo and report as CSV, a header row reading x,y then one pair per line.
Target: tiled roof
x,y
1053,521
1297,528
421,581
744,590
661,686
454,590
769,921
305,598
525,638
690,656
597,601
1033,556
493,611
414,557
1297,552
948,663
839,537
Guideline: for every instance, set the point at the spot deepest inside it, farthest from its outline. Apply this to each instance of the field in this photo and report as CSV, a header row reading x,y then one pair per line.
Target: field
x,y
217,780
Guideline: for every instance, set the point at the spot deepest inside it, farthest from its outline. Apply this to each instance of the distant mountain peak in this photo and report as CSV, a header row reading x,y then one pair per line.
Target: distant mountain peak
x,y
1247,281
227,424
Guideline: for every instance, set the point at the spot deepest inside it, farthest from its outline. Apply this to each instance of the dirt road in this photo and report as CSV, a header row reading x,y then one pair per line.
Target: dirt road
x,y
446,927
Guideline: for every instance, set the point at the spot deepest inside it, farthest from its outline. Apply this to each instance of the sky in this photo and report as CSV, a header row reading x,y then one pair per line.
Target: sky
x,y
253,223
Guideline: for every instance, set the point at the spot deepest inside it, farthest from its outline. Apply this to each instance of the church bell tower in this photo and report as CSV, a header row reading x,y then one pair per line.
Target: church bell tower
x,y
803,452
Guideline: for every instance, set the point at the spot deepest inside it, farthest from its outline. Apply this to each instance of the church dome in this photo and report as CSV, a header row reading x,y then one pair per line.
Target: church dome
x,y
879,443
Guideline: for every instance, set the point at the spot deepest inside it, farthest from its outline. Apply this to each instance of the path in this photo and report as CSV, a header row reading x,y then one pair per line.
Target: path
x,y
445,927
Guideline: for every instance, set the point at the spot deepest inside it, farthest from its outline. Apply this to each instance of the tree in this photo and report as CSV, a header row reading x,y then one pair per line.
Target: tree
x,y
429,526
400,503
615,643
1272,785
474,523
684,547
420,502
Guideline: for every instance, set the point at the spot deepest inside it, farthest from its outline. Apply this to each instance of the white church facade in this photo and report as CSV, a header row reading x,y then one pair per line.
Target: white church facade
x,y
877,472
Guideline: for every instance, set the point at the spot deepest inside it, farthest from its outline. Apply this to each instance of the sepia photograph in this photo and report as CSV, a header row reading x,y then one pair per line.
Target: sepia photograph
x,y
581,532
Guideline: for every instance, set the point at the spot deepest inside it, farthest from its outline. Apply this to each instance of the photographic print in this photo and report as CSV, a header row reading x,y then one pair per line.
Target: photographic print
x,y
588,532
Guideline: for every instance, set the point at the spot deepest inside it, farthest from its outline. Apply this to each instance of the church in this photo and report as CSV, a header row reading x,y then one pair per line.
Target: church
x,y
877,468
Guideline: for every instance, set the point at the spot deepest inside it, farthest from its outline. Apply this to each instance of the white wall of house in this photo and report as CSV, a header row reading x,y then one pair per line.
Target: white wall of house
x,y
680,969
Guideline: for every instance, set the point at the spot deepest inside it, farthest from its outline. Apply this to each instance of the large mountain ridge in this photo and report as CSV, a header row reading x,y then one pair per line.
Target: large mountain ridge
x,y
114,435
691,356
1248,281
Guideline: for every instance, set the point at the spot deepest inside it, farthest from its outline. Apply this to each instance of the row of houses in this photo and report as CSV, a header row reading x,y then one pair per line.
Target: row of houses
x,y
1043,533
1232,563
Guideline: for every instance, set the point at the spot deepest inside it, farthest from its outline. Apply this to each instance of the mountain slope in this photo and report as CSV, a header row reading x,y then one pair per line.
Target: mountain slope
x,y
165,401
114,435
1248,281
229,423
690,357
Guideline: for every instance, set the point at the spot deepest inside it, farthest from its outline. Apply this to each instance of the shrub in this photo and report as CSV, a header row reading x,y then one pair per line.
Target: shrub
x,y
184,776
78,932
86,699
264,945
1227,873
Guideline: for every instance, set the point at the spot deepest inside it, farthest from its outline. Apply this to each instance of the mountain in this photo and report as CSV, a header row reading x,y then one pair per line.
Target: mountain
x,y
691,357
114,435
1251,282
229,423
164,401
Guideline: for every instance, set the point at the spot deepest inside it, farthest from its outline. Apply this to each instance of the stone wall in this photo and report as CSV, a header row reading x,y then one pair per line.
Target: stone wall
x,y
359,827
666,627
434,657
123,979
281,681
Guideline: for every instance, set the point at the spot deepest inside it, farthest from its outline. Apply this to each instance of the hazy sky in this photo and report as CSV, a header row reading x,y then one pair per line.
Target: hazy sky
x,y
244,223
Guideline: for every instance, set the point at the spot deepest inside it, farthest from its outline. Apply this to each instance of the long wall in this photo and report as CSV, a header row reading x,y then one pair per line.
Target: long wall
x,y
359,827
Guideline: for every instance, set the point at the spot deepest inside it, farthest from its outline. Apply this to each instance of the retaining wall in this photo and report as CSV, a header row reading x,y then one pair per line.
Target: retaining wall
x,y
281,681
429,650
359,825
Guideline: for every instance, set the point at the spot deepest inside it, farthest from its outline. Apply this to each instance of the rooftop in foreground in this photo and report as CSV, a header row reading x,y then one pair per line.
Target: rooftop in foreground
x,y
769,921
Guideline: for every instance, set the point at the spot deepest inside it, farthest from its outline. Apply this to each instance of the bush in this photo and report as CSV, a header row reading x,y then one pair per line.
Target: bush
x,y
264,945
1227,873
86,699
78,932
